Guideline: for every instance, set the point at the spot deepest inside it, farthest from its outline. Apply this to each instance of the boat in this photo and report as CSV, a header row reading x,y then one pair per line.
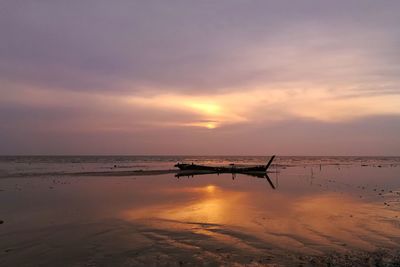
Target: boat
x,y
232,168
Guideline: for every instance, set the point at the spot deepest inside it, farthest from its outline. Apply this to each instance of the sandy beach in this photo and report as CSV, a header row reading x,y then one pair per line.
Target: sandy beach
x,y
315,216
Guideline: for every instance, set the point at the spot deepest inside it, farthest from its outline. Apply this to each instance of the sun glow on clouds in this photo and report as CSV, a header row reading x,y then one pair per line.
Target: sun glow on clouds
x,y
206,113
211,109
208,110
256,105
206,124
272,104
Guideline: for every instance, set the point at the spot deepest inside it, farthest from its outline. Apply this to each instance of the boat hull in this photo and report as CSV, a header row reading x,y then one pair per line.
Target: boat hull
x,y
224,169
195,167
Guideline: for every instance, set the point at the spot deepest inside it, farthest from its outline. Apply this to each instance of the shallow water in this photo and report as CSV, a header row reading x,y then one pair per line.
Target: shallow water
x,y
11,166
314,207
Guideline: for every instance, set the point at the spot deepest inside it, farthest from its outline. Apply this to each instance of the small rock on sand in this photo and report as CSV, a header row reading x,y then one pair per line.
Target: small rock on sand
x,y
1,221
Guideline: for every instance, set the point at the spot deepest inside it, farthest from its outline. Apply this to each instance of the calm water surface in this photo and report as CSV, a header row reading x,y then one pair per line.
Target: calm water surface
x,y
309,207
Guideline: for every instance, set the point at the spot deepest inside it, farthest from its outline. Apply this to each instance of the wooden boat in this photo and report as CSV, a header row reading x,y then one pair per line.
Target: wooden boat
x,y
225,169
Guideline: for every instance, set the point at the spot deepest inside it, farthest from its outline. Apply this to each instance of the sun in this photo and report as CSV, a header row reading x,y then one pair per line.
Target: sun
x,y
203,124
211,125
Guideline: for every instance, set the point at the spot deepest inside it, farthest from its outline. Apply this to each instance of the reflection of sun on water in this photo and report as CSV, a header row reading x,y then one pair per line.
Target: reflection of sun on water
x,y
211,207
210,188
328,219
208,204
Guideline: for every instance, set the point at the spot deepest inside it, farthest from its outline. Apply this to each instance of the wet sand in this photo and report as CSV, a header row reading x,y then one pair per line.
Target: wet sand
x,y
328,216
93,173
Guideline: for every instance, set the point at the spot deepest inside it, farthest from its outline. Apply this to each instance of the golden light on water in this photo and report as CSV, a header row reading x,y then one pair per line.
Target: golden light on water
x,y
211,204
211,188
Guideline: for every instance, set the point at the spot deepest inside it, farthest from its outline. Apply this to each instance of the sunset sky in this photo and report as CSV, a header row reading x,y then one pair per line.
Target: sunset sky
x,y
226,77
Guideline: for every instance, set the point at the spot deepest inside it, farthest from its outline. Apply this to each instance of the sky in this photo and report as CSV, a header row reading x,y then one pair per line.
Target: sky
x,y
188,77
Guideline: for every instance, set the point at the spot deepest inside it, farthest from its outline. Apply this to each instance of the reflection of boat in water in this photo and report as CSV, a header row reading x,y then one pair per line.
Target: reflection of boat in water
x,y
232,168
192,173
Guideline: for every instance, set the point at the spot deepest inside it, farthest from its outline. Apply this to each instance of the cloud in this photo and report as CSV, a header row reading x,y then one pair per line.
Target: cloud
x,y
191,46
366,136
149,69
258,105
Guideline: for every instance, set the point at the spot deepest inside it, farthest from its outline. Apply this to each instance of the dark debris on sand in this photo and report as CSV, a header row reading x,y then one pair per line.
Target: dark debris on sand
x,y
380,258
